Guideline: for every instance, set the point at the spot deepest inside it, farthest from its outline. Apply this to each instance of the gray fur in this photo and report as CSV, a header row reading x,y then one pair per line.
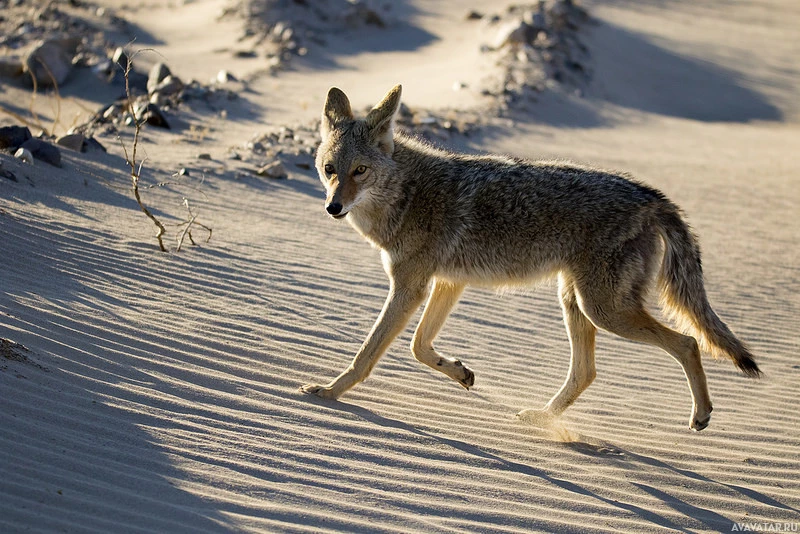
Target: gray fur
x,y
444,220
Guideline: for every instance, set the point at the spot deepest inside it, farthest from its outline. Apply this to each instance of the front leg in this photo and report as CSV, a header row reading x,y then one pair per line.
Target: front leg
x,y
405,296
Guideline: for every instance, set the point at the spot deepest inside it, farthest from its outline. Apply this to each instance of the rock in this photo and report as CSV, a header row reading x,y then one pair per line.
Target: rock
x,y
13,136
514,33
25,155
120,58
359,13
168,86
204,155
113,111
224,76
43,151
75,141
151,114
156,76
50,63
274,170
474,15
93,145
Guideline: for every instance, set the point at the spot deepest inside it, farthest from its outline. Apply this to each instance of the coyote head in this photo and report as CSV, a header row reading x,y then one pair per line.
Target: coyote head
x,y
355,155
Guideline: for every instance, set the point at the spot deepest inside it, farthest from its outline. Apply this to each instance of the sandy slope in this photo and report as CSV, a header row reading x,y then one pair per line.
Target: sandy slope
x,y
160,390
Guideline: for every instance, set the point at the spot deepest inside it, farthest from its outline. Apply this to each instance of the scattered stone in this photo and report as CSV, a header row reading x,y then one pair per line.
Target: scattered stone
x,y
151,114
158,72
474,15
274,170
43,151
13,136
281,30
513,33
120,57
168,86
539,47
303,165
74,141
50,63
359,13
93,145
204,155
24,155
224,76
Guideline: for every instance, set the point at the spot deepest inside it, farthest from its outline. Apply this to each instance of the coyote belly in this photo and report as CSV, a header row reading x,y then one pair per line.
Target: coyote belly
x,y
443,221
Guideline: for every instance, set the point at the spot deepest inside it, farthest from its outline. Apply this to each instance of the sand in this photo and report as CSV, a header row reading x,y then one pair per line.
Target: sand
x,y
158,392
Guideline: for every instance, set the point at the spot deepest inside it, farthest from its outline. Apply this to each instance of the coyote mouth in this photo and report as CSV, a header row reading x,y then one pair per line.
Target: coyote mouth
x,y
339,215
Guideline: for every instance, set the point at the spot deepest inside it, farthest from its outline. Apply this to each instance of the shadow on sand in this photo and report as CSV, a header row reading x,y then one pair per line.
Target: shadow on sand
x,y
630,71
604,453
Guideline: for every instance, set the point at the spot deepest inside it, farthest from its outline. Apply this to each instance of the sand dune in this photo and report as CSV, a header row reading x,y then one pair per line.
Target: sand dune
x,y
159,392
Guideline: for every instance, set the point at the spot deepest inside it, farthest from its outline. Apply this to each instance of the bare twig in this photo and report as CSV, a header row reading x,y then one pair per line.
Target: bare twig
x,y
131,158
186,232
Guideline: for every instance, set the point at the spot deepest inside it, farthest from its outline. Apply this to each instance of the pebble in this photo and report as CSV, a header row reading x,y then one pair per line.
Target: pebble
x,y
120,57
168,86
50,62
274,170
224,76
75,141
158,72
43,151
24,155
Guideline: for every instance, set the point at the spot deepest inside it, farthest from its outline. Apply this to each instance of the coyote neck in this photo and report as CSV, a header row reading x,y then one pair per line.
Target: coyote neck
x,y
380,218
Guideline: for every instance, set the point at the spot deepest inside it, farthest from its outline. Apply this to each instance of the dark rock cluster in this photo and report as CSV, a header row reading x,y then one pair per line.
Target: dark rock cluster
x,y
17,140
282,29
43,43
539,47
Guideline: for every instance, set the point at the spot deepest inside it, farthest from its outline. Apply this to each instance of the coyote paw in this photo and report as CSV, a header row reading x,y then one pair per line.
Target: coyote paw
x,y
323,392
538,418
469,377
700,421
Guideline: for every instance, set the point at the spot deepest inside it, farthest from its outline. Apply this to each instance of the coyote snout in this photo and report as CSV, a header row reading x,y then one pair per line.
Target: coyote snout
x,y
334,209
444,220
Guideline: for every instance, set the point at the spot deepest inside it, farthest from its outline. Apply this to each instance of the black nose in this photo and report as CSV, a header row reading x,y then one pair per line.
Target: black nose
x,y
334,208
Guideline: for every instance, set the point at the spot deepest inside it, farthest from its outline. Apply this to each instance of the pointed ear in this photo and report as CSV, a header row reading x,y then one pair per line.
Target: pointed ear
x,y
380,120
336,110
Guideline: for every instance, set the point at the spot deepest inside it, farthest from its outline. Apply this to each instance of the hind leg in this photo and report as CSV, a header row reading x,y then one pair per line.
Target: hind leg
x,y
441,301
581,367
633,322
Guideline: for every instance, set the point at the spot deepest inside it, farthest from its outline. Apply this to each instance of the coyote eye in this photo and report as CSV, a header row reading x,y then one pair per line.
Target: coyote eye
x,y
361,169
329,168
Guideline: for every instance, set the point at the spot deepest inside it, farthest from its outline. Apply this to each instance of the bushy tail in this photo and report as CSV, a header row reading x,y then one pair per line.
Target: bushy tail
x,y
683,295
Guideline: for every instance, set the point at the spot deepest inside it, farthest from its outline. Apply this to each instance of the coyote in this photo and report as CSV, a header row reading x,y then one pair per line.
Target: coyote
x,y
443,220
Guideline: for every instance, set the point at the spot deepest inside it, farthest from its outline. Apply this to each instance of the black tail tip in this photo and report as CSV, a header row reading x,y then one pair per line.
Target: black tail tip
x,y
750,368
